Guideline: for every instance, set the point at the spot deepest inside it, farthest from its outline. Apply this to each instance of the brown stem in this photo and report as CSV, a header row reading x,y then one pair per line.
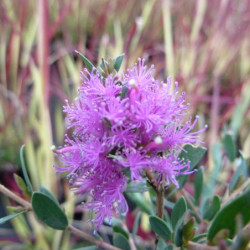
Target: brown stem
x,y
160,201
151,179
15,197
236,193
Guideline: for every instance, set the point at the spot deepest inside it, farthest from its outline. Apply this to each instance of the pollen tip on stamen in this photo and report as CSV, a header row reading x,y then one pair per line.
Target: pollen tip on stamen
x,y
53,148
158,140
206,126
132,83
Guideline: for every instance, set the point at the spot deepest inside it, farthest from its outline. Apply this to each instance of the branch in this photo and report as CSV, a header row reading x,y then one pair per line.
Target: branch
x,y
236,193
183,192
196,246
71,228
15,197
90,238
151,179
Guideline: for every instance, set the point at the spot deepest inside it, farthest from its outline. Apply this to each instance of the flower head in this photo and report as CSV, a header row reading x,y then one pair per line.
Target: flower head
x,y
124,122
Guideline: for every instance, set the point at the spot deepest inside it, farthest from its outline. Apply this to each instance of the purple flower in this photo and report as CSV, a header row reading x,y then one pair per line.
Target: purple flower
x,y
124,122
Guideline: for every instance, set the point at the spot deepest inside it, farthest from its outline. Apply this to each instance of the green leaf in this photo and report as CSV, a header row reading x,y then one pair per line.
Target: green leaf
x,y
161,245
241,171
136,224
230,147
9,217
45,191
119,229
25,175
120,241
21,184
113,221
87,248
88,64
199,237
136,187
226,217
178,239
210,211
139,200
178,213
102,65
160,227
188,230
192,154
124,92
118,62
170,247
198,184
48,211
213,178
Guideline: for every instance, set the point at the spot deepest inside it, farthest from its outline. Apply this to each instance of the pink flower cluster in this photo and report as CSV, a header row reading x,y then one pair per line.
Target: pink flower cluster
x,y
124,122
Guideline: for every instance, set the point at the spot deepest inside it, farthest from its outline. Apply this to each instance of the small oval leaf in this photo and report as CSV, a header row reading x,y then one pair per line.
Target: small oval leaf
x,y
194,155
136,187
48,211
120,230
21,184
178,213
230,147
120,241
118,62
240,173
226,217
45,191
160,227
198,184
211,210
161,245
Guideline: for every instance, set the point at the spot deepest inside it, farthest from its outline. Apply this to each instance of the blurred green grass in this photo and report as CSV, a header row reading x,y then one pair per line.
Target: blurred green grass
x,y
203,44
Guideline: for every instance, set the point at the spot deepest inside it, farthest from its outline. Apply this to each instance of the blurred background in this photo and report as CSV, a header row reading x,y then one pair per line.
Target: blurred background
x,y
203,44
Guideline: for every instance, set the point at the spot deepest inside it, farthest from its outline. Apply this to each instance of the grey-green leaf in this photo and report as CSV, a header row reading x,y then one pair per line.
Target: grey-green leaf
x,y
136,187
138,199
23,166
136,224
240,171
119,229
226,217
230,147
198,184
118,62
161,245
121,241
22,185
178,213
45,191
160,227
9,217
124,92
192,154
86,61
87,248
48,211
211,210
